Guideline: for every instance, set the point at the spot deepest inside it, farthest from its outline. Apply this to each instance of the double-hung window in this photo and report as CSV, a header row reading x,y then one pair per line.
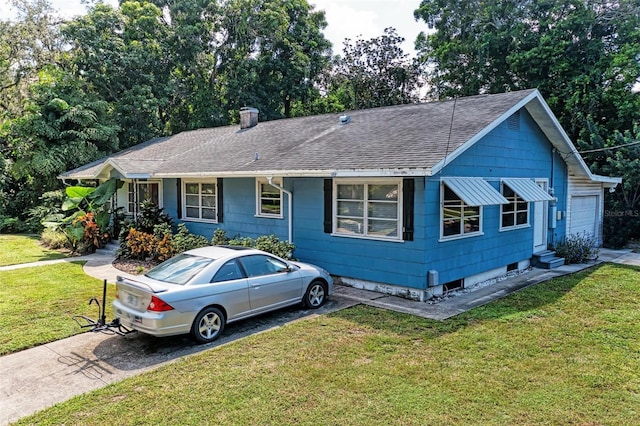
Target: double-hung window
x,y
368,209
268,198
516,213
458,218
200,201
140,191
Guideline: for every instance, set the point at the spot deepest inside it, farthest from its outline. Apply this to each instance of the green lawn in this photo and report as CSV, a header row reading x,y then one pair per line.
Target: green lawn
x,y
37,303
15,249
564,352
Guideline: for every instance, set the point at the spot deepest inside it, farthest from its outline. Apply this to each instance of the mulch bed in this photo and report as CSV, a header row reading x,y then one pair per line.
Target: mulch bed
x,y
134,267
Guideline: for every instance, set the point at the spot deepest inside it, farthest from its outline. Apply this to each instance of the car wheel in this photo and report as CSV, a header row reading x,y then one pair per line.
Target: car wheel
x,y
316,295
208,325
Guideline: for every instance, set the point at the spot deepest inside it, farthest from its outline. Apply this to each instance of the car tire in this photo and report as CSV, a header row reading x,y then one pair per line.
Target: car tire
x,y
316,294
208,325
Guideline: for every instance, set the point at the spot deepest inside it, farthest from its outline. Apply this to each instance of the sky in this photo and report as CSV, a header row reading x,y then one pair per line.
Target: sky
x,y
346,18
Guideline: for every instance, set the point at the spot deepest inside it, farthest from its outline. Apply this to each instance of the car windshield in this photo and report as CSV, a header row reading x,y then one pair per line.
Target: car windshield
x,y
179,269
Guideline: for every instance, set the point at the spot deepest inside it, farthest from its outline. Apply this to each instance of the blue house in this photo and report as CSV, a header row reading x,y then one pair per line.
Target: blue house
x,y
407,200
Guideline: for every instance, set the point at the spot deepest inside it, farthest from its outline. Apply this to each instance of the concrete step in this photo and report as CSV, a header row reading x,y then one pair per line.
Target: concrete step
x,y
552,263
546,259
109,249
544,256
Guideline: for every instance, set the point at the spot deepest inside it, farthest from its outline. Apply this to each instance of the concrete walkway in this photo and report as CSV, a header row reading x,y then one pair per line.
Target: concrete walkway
x,y
37,378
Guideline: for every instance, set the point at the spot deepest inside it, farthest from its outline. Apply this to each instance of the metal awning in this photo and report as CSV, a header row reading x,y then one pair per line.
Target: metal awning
x,y
527,189
474,191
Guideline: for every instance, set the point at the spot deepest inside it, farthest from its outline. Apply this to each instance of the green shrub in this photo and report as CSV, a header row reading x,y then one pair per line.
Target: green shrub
x,y
242,242
12,225
149,216
272,244
54,239
184,240
146,221
219,237
50,206
124,251
268,243
577,248
621,228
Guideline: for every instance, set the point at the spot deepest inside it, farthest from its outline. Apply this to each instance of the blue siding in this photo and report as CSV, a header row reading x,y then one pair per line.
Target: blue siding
x,y
239,207
398,263
504,152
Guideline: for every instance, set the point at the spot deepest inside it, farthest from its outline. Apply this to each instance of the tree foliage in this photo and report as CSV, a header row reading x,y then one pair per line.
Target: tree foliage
x,y
271,52
122,54
169,66
27,44
61,128
375,72
581,55
71,92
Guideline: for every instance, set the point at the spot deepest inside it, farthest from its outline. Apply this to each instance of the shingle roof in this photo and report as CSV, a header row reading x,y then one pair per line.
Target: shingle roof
x,y
402,139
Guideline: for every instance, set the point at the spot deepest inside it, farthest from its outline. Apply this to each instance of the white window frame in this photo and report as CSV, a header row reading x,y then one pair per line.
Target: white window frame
x,y
259,212
462,205
365,218
137,182
186,218
513,201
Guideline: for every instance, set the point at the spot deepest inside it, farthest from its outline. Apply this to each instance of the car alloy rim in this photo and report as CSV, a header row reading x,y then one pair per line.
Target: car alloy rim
x,y
316,295
209,325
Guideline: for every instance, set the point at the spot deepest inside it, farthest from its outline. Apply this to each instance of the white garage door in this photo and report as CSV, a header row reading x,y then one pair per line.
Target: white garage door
x,y
584,214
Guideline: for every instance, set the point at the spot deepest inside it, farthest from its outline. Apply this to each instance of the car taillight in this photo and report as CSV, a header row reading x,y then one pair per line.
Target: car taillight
x,y
158,305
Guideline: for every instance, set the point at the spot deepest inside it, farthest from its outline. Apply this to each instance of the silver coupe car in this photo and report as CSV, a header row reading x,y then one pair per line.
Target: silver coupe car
x,y
201,290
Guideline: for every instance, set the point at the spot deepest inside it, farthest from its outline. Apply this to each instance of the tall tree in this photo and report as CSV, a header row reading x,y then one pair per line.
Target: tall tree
x,y
270,54
192,38
376,72
122,53
27,44
63,127
581,54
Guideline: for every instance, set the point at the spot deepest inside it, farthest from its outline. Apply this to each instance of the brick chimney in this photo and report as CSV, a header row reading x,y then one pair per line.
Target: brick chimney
x,y
248,117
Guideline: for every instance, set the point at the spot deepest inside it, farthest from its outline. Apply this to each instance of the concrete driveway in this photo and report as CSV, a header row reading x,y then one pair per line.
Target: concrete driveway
x,y
40,377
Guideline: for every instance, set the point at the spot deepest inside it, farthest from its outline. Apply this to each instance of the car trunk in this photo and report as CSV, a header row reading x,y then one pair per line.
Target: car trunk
x,y
136,293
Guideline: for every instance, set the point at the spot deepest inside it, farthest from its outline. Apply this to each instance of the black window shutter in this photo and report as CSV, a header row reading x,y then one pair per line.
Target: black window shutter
x,y
407,209
220,196
328,210
179,209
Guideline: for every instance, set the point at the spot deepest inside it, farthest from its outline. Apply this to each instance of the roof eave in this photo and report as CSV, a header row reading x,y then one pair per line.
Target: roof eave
x,y
607,181
414,172
550,126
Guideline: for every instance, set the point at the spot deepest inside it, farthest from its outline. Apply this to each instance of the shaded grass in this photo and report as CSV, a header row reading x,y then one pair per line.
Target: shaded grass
x,y
15,249
563,352
37,303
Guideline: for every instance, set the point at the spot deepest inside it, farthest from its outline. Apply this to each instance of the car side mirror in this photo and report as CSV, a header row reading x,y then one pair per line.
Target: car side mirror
x,y
288,268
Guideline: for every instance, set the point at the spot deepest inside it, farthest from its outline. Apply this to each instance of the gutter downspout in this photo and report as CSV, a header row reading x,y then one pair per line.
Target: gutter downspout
x,y
290,206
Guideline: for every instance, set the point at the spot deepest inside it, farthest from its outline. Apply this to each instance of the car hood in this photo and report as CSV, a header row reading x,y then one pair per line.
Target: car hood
x,y
307,268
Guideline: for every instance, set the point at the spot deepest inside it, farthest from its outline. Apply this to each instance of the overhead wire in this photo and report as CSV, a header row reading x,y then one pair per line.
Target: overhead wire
x,y
566,155
610,147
